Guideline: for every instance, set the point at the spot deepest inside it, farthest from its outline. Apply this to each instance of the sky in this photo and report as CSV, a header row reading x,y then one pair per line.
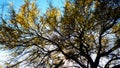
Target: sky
x,y
42,5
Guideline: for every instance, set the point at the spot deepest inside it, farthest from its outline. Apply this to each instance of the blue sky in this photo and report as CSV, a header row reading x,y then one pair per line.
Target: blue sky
x,y
42,4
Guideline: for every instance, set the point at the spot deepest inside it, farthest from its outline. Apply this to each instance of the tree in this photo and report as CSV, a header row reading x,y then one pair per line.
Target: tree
x,y
85,28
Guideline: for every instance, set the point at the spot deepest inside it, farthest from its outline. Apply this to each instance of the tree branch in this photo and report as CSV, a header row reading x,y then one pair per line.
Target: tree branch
x,y
107,64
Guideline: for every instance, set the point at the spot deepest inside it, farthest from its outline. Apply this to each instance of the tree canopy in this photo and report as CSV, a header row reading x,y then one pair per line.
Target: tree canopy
x,y
85,28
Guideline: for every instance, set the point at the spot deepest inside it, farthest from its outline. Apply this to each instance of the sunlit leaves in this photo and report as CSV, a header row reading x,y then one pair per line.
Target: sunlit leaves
x,y
116,29
75,33
27,15
9,35
54,12
68,5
